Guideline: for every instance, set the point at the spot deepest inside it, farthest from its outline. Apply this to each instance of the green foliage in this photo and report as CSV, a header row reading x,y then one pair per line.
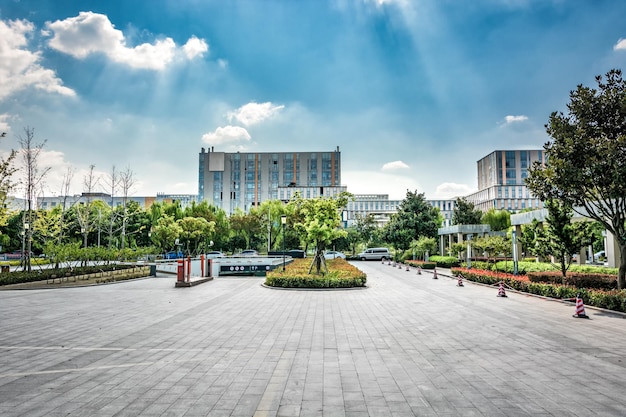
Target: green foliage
x,y
422,264
445,261
586,159
497,219
581,280
415,218
44,274
465,212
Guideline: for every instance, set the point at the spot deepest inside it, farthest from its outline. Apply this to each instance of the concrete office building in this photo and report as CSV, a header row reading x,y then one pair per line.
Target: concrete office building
x,y
382,208
501,185
242,180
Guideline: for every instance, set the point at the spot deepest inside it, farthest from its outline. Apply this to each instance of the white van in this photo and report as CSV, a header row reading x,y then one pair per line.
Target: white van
x,y
374,254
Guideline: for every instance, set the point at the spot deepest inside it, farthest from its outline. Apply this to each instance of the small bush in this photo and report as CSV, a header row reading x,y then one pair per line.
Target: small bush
x,y
445,261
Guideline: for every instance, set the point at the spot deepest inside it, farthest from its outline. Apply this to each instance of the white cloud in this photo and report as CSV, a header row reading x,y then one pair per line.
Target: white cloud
x,y
253,113
515,119
4,126
395,165
226,135
621,44
91,32
451,190
195,47
21,68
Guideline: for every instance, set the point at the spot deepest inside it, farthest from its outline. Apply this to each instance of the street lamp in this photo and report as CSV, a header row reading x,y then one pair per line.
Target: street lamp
x,y
283,221
514,240
469,251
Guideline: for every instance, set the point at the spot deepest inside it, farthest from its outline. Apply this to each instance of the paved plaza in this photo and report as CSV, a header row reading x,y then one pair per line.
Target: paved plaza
x,y
407,345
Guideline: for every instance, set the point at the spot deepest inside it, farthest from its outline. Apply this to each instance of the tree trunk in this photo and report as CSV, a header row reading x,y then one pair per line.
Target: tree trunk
x,y
621,275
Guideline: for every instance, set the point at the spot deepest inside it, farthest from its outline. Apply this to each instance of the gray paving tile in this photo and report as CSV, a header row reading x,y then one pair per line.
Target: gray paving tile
x,y
404,346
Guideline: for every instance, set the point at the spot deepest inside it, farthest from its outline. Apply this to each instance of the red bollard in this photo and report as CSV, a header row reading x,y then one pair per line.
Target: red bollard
x,y
202,266
180,271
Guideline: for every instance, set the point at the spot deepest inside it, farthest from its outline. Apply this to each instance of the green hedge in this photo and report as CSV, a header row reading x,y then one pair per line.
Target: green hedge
x,y
577,279
327,281
609,299
19,277
445,261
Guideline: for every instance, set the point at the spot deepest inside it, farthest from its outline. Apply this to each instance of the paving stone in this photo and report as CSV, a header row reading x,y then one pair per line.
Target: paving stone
x,y
405,346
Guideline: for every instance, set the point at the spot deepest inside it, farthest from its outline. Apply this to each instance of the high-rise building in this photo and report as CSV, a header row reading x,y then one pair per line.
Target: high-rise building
x,y
501,185
242,180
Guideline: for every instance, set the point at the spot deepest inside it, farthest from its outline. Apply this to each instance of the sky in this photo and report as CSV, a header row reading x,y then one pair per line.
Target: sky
x,y
413,92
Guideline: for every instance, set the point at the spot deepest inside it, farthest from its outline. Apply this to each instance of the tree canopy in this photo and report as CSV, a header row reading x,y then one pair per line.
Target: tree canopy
x,y
465,212
586,158
415,218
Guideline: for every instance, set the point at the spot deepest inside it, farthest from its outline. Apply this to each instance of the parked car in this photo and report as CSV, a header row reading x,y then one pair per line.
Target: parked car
x,y
296,253
249,252
375,254
331,254
214,254
599,256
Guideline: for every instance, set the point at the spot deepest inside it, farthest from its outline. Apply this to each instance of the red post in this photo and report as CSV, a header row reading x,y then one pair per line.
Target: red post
x,y
180,271
210,265
202,265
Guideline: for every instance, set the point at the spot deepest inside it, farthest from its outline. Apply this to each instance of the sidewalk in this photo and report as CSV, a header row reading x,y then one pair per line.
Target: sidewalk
x,y
407,345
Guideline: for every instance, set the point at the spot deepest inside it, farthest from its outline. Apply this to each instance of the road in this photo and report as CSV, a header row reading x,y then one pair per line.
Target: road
x,y
407,345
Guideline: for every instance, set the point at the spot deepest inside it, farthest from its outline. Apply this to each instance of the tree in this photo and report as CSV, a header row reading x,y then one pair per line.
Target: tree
x,y
33,180
415,218
165,233
497,219
7,169
560,237
195,231
465,212
586,158
319,225
424,244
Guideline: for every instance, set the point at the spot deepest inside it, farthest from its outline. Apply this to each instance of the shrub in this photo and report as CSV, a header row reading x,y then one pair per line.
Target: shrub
x,y
581,280
445,261
19,277
296,275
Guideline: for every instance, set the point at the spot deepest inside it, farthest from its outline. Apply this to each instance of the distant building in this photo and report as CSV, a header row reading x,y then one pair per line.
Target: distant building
x,y
243,180
501,185
382,208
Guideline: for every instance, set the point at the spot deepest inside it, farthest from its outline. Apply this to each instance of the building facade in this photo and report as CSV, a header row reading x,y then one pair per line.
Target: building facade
x,y
243,180
382,208
501,181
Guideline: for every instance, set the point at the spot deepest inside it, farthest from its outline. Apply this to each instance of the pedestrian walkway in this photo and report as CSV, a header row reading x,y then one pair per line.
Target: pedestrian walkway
x,y
407,345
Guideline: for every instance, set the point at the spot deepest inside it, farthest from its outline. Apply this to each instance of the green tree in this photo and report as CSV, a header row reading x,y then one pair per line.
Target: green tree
x,y
415,218
560,237
165,233
424,244
586,158
497,219
248,226
195,232
465,212
320,222
492,246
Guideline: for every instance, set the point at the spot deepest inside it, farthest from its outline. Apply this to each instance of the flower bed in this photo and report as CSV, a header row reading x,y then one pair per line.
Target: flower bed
x,y
340,274
609,299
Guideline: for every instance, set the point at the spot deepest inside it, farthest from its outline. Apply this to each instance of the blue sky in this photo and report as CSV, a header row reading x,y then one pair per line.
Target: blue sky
x,y
413,92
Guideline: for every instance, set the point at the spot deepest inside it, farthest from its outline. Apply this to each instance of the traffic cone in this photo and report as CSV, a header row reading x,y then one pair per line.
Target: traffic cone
x,y
435,273
580,309
419,270
393,264
501,292
460,281
407,267
382,261
388,262
399,265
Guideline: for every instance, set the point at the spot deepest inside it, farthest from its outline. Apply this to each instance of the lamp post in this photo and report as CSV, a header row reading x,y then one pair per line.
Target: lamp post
x,y
283,221
469,251
514,240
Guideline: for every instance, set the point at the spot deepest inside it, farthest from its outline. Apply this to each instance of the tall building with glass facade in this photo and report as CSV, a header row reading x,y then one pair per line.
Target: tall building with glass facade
x,y
242,180
501,176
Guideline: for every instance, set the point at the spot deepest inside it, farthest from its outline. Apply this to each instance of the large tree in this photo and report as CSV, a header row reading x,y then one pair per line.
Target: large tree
x,y
586,158
465,212
415,218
